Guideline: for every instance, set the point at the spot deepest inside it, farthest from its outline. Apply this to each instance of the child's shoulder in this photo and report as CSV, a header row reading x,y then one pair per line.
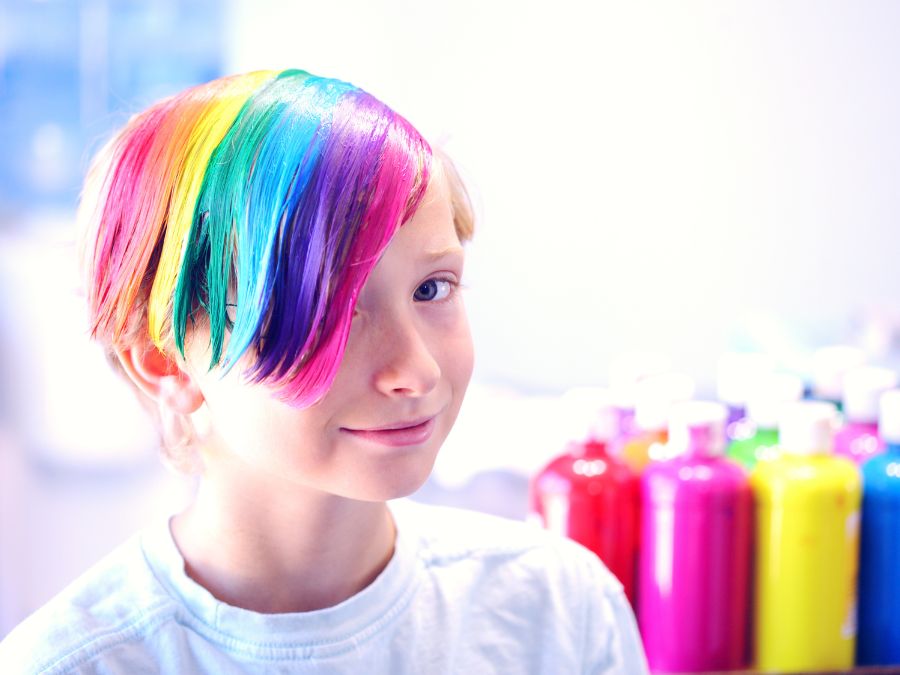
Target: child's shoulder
x,y
115,601
448,537
511,593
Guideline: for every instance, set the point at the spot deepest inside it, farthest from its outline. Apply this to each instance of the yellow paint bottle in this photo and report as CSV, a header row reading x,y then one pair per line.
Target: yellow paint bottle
x,y
807,547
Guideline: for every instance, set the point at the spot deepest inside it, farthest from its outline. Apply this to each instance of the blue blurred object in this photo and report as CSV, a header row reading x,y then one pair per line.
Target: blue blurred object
x,y
878,637
71,71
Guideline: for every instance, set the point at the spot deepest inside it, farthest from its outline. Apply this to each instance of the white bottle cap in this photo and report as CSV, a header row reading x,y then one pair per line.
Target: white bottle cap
x,y
698,426
830,364
863,387
630,368
737,374
807,428
770,395
654,397
589,414
889,416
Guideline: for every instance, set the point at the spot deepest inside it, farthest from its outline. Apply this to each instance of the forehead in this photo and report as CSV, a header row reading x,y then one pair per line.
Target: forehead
x,y
424,242
431,226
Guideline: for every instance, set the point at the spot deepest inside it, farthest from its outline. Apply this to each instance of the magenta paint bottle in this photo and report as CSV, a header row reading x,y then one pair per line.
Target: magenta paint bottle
x,y
694,561
858,438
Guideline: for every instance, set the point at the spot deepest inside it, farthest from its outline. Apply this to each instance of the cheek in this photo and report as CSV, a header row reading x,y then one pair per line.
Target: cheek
x,y
458,354
250,422
238,420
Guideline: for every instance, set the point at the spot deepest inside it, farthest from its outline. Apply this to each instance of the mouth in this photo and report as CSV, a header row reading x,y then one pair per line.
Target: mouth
x,y
398,434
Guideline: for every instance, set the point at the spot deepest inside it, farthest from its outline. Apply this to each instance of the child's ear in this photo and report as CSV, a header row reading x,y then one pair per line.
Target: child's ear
x,y
161,378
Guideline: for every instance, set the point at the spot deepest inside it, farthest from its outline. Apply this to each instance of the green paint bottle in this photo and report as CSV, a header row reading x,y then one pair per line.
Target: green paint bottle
x,y
757,435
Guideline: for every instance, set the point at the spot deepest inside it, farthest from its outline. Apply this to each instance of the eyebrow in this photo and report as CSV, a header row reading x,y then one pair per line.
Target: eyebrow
x,y
443,253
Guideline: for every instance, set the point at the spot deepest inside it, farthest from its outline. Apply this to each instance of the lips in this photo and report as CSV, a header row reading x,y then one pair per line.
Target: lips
x,y
397,434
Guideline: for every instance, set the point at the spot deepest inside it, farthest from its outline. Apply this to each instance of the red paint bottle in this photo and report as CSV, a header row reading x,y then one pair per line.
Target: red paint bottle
x,y
590,496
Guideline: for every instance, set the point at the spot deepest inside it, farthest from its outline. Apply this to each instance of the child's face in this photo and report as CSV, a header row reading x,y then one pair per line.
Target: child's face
x,y
397,393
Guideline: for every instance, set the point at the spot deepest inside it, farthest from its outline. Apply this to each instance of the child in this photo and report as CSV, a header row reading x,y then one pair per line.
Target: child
x,y
274,260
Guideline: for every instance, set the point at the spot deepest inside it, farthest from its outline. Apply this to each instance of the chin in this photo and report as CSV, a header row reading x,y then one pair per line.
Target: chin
x,y
395,481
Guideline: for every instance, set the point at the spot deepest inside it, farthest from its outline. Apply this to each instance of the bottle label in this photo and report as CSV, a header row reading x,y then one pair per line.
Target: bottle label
x,y
848,627
852,527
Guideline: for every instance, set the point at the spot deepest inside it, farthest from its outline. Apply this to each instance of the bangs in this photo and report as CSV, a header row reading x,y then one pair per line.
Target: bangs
x,y
257,206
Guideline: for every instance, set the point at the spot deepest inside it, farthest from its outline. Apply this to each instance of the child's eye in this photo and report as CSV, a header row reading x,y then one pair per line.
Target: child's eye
x,y
434,290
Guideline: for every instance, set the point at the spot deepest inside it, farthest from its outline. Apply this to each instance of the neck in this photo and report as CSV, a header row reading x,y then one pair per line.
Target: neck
x,y
281,550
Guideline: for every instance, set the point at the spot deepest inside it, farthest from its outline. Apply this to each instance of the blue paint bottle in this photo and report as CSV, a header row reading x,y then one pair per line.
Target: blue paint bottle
x,y
878,638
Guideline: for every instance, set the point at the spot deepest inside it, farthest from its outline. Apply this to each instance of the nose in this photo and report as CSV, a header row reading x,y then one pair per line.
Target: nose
x,y
407,367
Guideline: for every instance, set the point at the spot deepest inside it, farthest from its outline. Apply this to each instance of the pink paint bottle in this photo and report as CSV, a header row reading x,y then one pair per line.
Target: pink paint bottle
x,y
694,561
858,439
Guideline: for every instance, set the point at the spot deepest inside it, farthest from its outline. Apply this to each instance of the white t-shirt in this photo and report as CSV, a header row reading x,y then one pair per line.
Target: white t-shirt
x,y
463,593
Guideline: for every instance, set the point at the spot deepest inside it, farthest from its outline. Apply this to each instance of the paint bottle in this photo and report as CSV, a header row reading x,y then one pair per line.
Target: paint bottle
x,y
760,428
592,497
858,438
694,562
737,375
807,547
879,610
626,371
829,367
654,398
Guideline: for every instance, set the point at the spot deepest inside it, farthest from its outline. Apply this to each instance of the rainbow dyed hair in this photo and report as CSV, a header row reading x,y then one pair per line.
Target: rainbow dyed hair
x,y
257,205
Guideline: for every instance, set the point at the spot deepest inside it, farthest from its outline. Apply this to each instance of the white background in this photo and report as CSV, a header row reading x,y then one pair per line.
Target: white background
x,y
683,176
